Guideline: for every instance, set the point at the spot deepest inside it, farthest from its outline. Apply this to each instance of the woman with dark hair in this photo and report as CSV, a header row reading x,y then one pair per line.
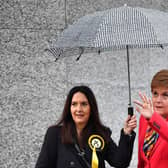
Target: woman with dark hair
x,y
153,124
80,140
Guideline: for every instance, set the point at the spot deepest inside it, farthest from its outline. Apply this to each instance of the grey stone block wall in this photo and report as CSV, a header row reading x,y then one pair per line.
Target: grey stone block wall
x,y
33,87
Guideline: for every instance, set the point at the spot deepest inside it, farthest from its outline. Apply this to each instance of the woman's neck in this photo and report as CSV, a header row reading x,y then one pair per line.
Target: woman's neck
x,y
79,131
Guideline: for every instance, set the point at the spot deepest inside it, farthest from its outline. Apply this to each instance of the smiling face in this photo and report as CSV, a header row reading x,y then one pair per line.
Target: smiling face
x,y
160,100
80,110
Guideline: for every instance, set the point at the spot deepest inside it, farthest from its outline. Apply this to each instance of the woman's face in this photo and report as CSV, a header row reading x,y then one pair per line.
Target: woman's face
x,y
80,109
160,100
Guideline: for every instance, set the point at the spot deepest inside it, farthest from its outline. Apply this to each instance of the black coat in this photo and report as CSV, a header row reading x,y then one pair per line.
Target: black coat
x,y
54,154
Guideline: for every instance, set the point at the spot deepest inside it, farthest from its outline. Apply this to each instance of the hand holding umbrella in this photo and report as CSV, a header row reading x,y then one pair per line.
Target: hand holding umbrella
x,y
130,124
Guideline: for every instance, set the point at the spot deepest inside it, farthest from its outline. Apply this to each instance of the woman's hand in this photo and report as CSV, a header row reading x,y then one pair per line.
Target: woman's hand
x,y
130,124
145,107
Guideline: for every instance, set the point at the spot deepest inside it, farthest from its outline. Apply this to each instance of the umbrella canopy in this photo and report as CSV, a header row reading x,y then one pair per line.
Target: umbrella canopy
x,y
117,28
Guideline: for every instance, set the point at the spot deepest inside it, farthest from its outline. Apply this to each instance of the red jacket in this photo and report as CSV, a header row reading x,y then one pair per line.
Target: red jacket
x,y
159,156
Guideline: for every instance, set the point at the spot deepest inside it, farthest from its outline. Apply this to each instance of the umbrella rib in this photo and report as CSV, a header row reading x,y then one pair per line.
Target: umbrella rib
x,y
80,54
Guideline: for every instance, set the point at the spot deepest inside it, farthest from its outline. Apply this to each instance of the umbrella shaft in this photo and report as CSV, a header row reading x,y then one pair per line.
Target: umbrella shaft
x,y
129,84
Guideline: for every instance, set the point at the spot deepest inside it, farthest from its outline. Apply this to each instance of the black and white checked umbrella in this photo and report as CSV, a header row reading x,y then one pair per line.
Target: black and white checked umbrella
x,y
117,28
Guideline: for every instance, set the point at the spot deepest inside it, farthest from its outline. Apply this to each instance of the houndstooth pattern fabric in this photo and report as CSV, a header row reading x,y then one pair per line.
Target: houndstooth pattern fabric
x,y
115,28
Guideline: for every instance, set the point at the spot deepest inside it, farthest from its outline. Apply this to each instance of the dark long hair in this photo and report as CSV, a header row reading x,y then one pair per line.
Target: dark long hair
x,y
94,124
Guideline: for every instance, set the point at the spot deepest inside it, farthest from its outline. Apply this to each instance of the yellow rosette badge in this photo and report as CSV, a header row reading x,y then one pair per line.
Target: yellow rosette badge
x,y
96,143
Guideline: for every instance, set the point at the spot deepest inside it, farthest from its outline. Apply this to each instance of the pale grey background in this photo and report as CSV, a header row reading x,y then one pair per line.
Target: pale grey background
x,y
33,87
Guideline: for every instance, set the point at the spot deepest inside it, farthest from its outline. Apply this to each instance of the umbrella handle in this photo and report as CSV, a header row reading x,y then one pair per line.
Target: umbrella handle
x,y
130,110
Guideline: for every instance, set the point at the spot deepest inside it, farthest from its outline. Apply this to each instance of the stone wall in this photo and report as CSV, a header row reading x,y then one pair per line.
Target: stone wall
x,y
33,86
